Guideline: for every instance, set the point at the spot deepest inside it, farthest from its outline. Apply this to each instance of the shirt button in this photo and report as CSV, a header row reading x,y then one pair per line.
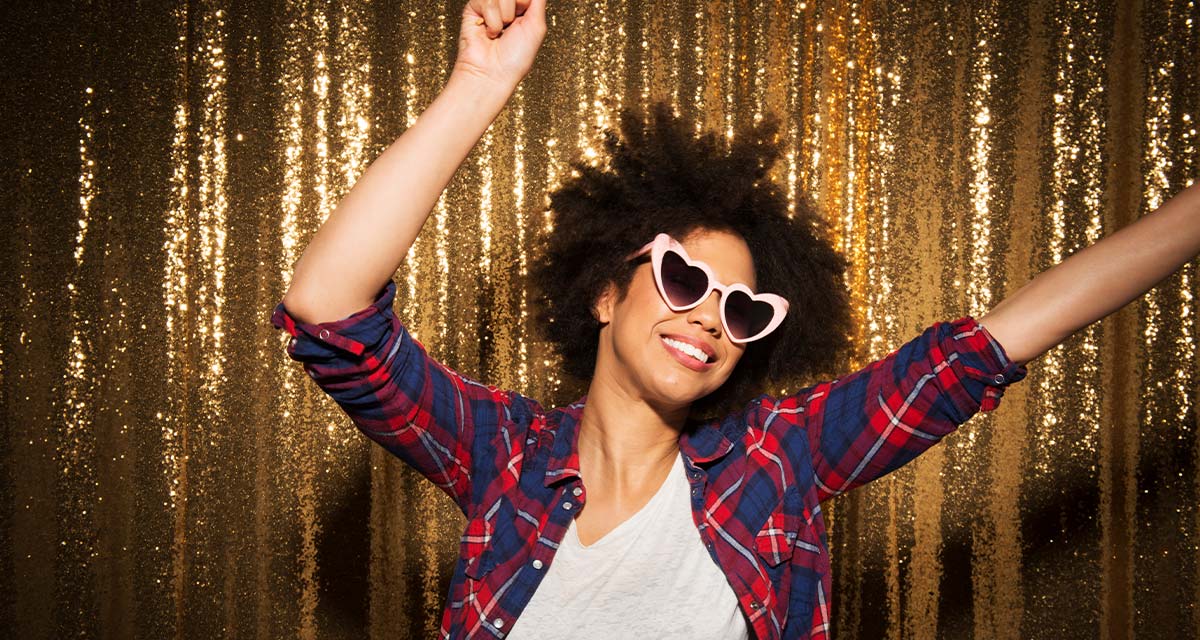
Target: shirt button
x,y
292,343
537,564
695,475
695,491
324,334
567,506
498,623
999,379
577,491
312,374
755,605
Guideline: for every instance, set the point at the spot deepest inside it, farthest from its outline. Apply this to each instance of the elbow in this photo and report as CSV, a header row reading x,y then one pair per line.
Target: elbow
x,y
298,304
314,303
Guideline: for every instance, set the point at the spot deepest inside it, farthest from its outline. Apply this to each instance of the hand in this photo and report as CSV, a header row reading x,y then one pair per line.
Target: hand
x,y
500,38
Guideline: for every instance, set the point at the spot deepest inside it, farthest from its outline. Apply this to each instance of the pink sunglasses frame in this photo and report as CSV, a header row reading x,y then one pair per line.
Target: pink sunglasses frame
x,y
663,243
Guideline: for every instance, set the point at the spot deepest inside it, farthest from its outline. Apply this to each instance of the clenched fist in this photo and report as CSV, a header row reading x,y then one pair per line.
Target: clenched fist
x,y
500,38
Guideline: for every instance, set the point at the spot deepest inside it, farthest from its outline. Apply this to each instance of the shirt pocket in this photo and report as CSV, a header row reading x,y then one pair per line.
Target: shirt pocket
x,y
490,538
776,538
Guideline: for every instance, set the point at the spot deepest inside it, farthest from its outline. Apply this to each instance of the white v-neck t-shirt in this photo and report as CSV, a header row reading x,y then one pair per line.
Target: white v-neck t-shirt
x,y
650,577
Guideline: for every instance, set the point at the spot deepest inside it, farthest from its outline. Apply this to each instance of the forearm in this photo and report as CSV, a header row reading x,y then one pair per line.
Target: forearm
x,y
1098,280
367,236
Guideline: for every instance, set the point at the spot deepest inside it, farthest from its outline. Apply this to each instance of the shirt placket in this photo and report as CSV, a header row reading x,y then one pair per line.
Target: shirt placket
x,y
564,506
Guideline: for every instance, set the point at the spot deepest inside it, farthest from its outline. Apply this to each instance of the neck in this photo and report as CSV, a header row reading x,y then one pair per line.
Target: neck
x,y
626,442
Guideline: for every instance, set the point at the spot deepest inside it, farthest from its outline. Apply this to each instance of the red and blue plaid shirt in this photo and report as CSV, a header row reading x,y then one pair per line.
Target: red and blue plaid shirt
x,y
758,476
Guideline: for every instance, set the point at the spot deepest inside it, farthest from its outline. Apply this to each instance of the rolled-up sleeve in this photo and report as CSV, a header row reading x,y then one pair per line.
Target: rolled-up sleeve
x,y
869,423
418,409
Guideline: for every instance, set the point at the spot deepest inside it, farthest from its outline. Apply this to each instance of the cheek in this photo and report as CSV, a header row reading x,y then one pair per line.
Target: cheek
x,y
732,359
647,295
644,306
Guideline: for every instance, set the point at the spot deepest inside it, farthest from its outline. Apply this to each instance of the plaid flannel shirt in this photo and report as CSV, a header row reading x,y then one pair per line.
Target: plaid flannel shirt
x,y
758,476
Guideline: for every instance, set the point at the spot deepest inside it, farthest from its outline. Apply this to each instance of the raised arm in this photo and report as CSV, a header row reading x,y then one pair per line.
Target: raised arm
x,y
368,235
1097,280
338,310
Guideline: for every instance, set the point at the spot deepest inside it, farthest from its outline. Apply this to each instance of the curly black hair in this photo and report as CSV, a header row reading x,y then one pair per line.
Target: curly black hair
x,y
661,177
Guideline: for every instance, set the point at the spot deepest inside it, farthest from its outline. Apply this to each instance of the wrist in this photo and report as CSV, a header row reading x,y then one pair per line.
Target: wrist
x,y
477,82
472,99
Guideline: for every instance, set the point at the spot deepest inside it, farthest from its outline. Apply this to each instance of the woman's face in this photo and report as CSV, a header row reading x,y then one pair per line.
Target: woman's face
x,y
640,334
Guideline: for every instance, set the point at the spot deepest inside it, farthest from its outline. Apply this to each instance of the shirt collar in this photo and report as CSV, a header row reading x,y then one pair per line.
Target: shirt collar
x,y
702,443
564,450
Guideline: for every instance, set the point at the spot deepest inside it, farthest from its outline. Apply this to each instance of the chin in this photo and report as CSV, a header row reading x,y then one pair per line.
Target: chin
x,y
681,394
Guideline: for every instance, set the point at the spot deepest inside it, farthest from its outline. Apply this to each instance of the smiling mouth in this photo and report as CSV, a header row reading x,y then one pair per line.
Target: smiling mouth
x,y
689,350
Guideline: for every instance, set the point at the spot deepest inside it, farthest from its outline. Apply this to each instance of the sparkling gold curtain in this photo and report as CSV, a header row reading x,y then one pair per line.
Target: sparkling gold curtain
x,y
168,472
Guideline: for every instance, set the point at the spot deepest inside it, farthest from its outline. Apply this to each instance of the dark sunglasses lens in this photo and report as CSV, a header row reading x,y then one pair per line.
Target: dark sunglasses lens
x,y
746,317
683,283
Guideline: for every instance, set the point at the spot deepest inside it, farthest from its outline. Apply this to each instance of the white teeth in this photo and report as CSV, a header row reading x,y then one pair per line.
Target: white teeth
x,y
692,351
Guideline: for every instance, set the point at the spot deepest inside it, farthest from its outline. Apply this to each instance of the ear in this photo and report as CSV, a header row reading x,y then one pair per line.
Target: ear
x,y
602,309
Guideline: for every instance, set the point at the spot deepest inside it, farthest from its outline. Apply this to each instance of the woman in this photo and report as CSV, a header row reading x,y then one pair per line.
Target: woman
x,y
649,508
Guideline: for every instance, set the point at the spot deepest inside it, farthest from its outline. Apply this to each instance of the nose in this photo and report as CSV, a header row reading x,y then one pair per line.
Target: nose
x,y
708,314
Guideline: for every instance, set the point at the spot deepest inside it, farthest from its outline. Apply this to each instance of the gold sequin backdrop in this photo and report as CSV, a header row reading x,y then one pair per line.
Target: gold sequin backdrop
x,y
168,472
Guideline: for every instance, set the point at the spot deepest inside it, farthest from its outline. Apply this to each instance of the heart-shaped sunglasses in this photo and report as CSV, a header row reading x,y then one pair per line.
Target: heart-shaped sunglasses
x,y
684,283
